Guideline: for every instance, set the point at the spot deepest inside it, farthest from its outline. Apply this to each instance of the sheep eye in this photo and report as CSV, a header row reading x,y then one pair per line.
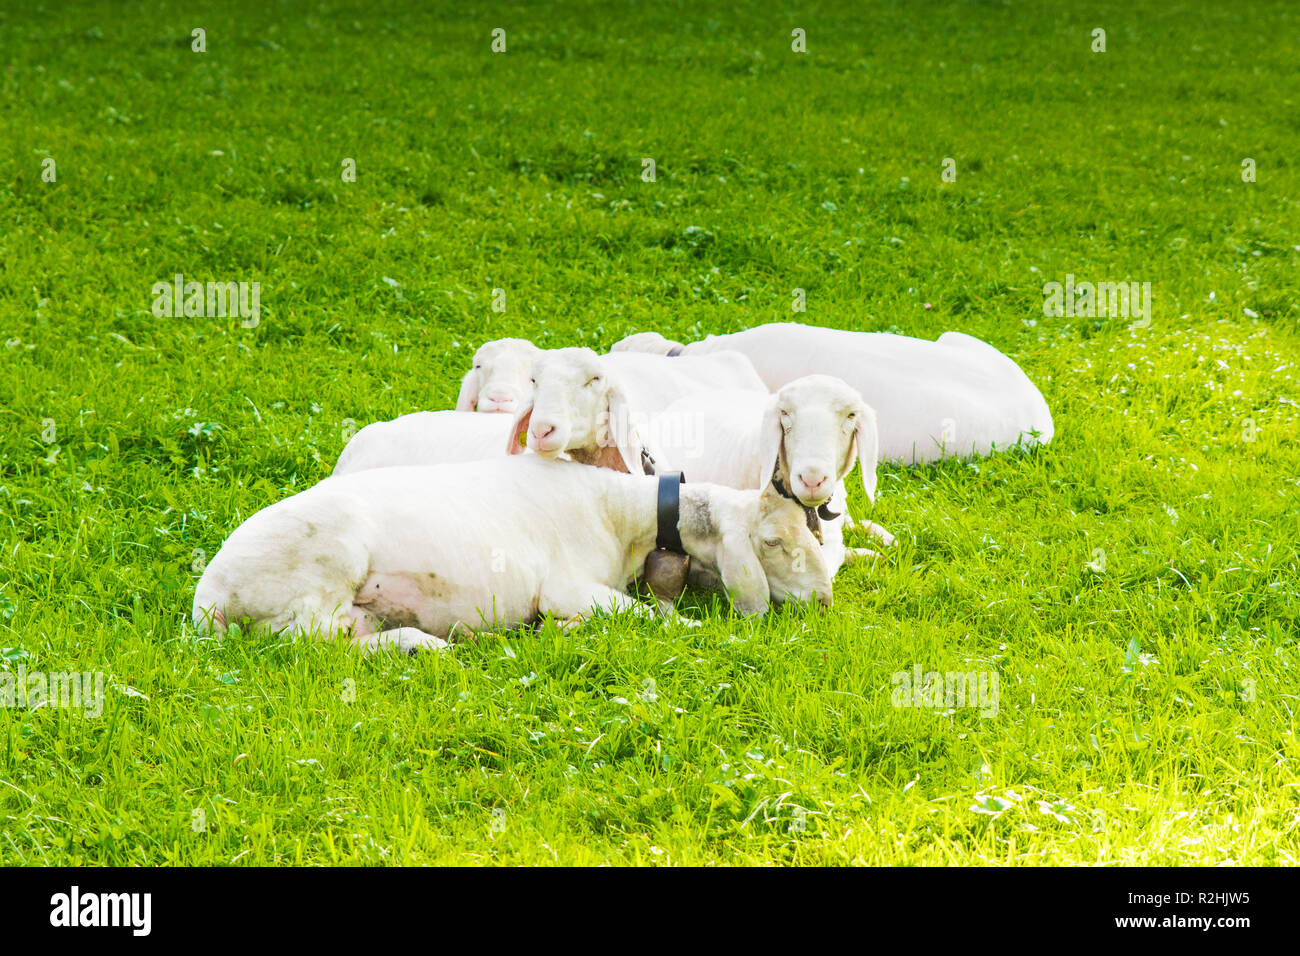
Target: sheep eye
x,y
532,381
771,542
593,381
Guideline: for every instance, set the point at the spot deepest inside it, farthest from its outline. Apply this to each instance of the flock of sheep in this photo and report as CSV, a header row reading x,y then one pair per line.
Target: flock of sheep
x,y
441,524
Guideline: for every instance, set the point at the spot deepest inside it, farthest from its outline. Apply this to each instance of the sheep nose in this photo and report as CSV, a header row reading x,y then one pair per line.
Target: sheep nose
x,y
824,600
809,483
542,429
499,395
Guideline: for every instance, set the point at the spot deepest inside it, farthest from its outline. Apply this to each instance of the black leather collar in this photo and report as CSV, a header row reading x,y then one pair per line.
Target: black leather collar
x,y
811,514
670,499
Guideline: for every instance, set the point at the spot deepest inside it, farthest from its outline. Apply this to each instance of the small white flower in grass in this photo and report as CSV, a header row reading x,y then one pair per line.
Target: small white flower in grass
x,y
993,806
1135,658
1058,810
1250,313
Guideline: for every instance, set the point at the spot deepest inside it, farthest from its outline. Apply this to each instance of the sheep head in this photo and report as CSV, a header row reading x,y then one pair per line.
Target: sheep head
x,y
812,431
759,543
576,407
498,380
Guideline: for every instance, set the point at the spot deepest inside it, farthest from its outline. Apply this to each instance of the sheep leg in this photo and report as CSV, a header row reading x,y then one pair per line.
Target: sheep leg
x,y
868,527
311,618
575,603
360,624
406,639
877,532
852,555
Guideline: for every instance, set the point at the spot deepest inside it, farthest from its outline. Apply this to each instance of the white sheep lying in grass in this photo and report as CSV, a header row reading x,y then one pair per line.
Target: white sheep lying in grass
x,y
409,557
954,397
803,440
425,438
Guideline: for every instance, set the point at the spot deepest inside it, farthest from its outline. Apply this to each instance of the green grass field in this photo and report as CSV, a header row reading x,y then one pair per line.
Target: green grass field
x,y
1148,703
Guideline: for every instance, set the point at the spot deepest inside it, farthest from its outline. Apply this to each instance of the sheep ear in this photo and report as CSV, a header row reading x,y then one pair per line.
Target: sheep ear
x,y
868,441
622,430
742,574
467,400
520,424
769,444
